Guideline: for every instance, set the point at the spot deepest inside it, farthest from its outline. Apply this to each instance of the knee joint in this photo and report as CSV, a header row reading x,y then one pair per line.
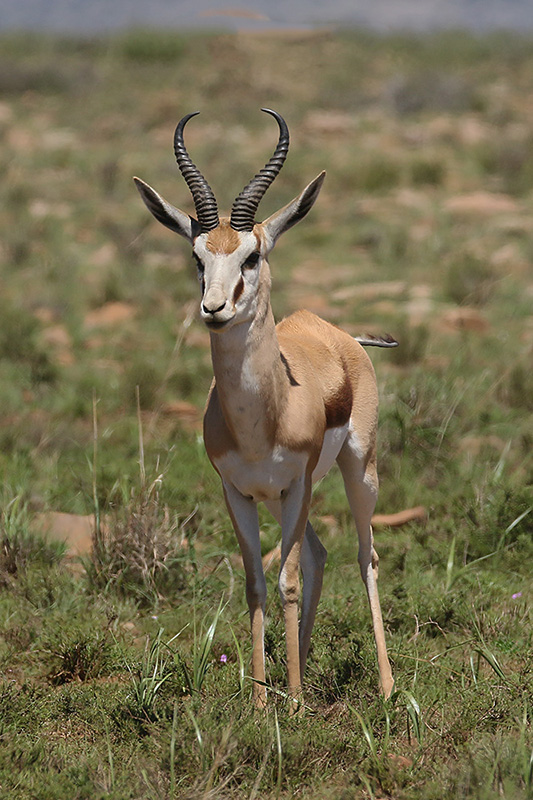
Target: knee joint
x,y
289,587
256,594
367,560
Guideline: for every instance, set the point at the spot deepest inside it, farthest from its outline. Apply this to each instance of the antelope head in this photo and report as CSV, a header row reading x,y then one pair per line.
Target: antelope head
x,y
231,253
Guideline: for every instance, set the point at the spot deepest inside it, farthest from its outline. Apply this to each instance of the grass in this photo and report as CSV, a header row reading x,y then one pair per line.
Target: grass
x,y
127,675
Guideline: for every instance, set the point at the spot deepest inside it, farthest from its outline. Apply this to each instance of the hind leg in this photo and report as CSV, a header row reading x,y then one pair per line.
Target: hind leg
x,y
312,562
361,484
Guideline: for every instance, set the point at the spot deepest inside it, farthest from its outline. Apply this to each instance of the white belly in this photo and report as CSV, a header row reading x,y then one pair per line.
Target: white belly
x,y
266,478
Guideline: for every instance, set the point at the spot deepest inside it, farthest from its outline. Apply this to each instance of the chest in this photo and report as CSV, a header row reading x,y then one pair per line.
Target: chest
x,y
264,478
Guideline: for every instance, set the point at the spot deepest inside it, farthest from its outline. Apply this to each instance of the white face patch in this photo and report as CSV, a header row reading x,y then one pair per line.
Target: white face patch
x,y
230,280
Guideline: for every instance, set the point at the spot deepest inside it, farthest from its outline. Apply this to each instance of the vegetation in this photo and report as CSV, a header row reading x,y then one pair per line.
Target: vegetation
x,y
125,674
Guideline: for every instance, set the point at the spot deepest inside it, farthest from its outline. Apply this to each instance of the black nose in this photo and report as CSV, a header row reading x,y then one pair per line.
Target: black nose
x,y
212,310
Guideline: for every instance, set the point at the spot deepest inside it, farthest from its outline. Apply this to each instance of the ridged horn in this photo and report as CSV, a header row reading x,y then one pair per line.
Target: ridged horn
x,y
245,205
202,194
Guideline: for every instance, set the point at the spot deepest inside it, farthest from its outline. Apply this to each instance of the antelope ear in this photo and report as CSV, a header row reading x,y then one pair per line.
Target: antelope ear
x,y
168,215
293,212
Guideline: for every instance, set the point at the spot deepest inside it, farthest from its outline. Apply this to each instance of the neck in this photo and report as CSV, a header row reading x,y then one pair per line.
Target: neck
x,y
250,379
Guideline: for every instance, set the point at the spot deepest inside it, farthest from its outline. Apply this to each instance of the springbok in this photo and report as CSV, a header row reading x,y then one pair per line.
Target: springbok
x,y
287,401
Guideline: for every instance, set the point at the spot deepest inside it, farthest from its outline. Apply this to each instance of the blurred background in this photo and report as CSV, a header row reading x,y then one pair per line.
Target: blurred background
x,y
99,16
423,227
422,115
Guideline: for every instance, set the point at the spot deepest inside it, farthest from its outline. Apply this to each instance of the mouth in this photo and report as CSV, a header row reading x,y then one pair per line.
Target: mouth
x,y
214,325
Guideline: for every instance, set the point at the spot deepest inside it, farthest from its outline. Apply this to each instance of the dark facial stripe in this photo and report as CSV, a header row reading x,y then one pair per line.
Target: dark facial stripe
x,y
238,290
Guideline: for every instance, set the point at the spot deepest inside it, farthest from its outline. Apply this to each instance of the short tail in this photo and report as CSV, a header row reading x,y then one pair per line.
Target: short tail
x,y
376,341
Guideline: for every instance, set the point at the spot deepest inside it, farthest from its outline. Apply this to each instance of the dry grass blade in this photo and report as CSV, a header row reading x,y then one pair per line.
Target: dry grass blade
x,y
139,552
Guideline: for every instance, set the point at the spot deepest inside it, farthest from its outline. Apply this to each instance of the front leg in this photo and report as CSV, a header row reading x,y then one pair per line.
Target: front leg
x,y
295,503
312,563
243,513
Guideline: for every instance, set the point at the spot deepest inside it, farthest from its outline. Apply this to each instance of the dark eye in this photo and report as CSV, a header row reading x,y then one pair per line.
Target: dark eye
x,y
252,260
198,263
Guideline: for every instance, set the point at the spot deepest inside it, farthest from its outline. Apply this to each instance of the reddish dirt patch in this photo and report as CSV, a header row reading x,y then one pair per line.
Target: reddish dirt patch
x,y
110,315
186,413
482,204
58,339
74,529
464,319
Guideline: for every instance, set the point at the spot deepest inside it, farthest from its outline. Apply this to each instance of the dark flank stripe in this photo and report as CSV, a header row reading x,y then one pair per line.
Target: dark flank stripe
x,y
339,406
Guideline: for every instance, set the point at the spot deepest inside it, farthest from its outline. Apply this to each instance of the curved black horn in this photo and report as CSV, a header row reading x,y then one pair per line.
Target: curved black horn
x,y
245,205
202,194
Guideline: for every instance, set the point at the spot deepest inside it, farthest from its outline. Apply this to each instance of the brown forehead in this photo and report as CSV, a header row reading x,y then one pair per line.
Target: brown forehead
x,y
223,239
